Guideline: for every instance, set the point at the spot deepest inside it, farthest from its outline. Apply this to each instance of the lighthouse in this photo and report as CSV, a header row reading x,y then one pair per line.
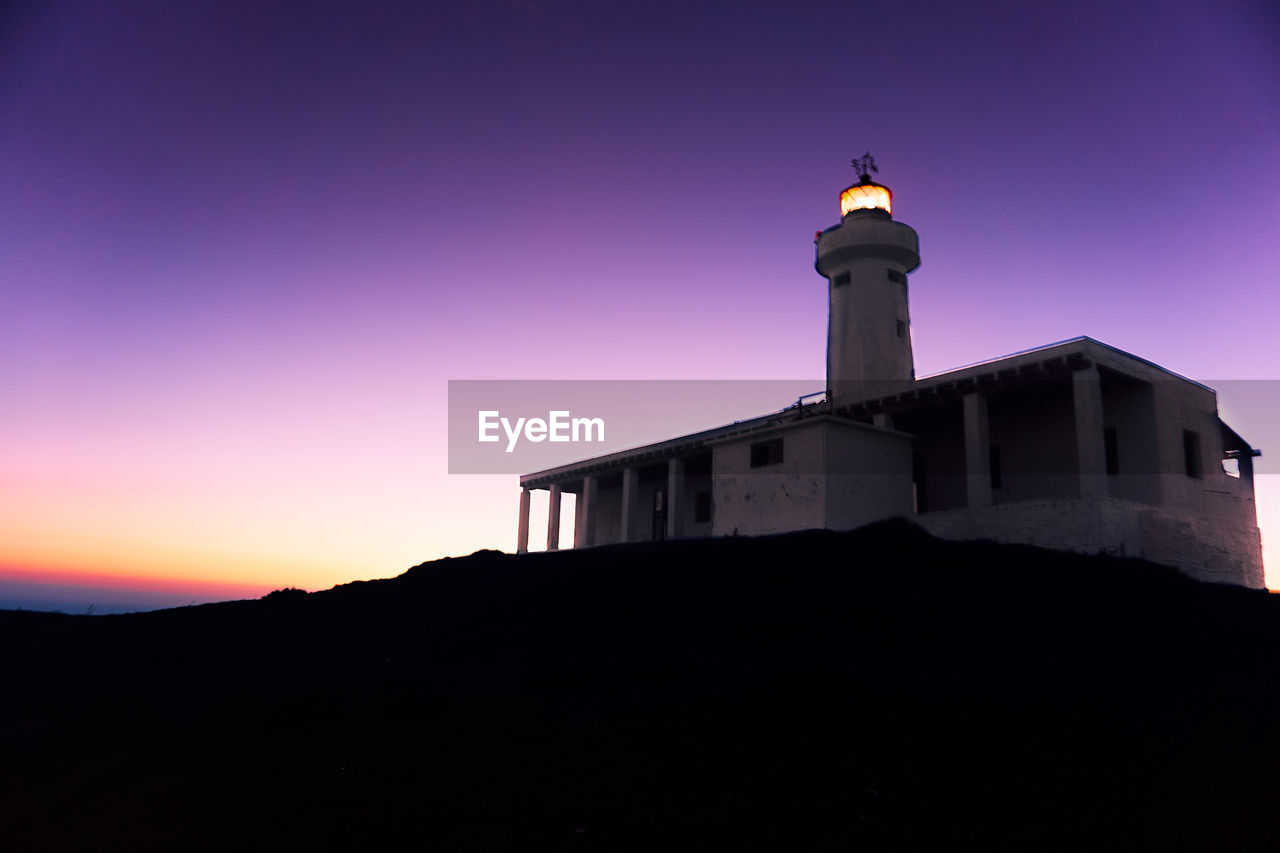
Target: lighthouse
x,y
865,260
1075,446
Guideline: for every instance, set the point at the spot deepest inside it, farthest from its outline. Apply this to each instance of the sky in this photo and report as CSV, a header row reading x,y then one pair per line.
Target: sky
x,y
244,247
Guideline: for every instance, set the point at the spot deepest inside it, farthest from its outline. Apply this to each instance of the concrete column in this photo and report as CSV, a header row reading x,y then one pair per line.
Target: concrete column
x,y
584,534
1091,448
884,420
630,499
522,531
553,520
675,498
977,451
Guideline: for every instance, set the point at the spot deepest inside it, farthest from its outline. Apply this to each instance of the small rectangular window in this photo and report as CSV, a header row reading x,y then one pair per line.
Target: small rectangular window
x,y
1191,453
1113,450
843,278
997,475
766,453
902,329
894,275
702,508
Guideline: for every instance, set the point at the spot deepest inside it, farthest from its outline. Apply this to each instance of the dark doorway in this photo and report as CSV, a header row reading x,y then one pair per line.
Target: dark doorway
x,y
920,479
659,515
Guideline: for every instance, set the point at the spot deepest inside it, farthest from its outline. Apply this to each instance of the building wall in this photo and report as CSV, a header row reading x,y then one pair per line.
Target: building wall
x,y
1202,518
835,475
608,512
1129,408
866,346
1195,517
1217,552
790,495
1182,406
1034,429
868,475
1220,547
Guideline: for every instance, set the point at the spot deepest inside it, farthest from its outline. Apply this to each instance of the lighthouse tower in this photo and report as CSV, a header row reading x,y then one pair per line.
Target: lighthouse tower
x,y
865,260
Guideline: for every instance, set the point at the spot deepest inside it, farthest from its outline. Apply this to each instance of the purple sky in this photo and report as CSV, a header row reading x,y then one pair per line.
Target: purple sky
x,y
243,246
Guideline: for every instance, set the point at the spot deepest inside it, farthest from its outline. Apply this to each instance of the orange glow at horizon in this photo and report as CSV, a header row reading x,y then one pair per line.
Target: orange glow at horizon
x,y
866,197
73,577
110,510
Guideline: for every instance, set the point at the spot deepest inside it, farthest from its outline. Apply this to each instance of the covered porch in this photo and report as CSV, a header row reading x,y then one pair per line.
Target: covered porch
x,y
642,495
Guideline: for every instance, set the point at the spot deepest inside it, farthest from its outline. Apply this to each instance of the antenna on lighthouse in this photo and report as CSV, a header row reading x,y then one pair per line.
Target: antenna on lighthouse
x,y
866,164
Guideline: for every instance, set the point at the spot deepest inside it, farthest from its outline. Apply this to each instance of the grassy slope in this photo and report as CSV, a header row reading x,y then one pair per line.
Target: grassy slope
x,y
877,690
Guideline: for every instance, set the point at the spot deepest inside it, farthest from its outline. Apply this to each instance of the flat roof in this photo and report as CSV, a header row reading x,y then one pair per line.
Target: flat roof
x,y
1041,349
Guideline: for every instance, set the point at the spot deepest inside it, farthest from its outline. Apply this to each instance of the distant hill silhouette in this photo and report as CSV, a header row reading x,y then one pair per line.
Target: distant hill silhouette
x,y
875,690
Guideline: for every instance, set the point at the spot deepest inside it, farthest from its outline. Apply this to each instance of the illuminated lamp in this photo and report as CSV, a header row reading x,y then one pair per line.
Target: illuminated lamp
x,y
866,196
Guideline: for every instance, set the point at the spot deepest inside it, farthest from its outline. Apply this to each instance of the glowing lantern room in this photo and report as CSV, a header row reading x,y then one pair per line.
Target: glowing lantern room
x,y
866,196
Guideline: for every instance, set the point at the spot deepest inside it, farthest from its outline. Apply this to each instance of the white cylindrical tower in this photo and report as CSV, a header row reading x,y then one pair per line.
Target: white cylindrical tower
x,y
865,260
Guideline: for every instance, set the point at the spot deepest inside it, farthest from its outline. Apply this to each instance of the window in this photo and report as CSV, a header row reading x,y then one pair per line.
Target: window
x,y
1113,450
894,275
1191,453
702,507
843,278
766,453
997,476
902,329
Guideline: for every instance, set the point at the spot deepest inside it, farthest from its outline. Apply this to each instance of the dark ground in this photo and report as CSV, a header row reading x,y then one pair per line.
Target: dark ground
x,y
879,690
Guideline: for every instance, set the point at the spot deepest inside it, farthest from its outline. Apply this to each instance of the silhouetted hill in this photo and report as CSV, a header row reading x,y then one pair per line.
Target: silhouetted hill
x,y
879,690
